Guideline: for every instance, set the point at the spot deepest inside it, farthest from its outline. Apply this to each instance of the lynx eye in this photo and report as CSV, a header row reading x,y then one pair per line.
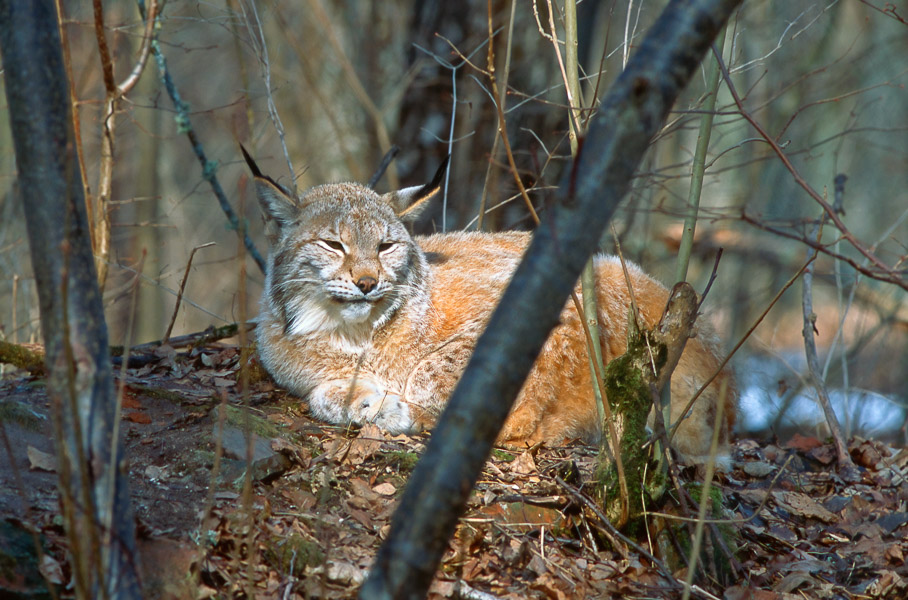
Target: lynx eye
x,y
385,246
331,245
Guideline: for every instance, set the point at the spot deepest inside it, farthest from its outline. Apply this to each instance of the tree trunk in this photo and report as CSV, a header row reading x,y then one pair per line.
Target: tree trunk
x,y
94,496
630,115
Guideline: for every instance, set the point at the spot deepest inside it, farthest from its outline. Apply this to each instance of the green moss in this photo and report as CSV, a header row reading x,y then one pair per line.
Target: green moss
x,y
502,455
712,553
402,461
22,357
20,414
630,400
242,418
695,489
293,554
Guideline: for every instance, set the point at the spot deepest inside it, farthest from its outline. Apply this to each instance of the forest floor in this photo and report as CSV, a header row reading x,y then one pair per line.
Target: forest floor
x,y
321,500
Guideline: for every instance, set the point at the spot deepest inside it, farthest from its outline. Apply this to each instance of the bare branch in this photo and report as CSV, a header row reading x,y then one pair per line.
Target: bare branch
x,y
813,362
209,168
176,306
831,213
101,228
254,25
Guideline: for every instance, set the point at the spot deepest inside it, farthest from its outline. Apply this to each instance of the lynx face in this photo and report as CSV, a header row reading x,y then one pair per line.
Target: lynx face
x,y
344,263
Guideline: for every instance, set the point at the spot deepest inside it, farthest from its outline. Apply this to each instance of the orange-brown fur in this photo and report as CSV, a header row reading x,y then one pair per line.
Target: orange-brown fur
x,y
393,354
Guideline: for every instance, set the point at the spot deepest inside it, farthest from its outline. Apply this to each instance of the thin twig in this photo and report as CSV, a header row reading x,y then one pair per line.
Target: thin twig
x,y
616,536
494,152
498,98
570,72
712,277
698,168
209,168
212,334
356,86
736,521
254,26
113,467
704,496
176,307
606,419
329,108
889,11
627,279
886,275
101,227
813,362
465,60
799,179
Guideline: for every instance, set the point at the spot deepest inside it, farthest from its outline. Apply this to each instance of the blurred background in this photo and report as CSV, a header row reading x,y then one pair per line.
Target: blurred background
x,y
319,91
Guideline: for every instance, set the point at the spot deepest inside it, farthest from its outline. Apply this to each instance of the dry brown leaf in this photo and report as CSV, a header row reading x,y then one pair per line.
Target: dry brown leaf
x,y
740,592
794,581
361,516
345,573
41,461
804,506
362,489
866,455
135,416
385,489
895,555
365,445
824,454
524,464
803,443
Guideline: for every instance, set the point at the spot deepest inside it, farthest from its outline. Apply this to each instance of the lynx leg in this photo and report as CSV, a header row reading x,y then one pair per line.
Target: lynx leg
x,y
522,428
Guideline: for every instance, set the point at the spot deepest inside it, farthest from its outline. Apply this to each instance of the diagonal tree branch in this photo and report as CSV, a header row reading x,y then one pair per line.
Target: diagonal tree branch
x,y
630,115
209,167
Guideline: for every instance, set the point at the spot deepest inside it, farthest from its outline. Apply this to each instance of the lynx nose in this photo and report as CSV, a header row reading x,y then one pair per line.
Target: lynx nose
x,y
366,284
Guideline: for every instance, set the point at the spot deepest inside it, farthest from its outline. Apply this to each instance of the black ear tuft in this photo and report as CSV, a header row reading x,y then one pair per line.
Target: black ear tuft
x,y
431,187
257,173
254,168
278,204
410,202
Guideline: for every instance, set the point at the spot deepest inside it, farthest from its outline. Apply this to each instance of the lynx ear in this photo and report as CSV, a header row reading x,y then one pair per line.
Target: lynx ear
x,y
277,203
409,203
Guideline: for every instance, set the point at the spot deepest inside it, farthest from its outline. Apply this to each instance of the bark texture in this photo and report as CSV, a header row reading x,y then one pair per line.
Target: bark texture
x,y
79,383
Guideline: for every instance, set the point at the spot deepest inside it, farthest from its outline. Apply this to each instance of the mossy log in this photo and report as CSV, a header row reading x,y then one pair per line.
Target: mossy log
x,y
30,358
633,382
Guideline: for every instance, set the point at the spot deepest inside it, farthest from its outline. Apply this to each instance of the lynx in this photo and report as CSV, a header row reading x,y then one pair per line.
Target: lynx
x,y
371,324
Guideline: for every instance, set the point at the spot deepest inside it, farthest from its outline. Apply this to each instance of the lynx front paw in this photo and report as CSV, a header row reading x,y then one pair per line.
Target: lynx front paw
x,y
361,401
385,409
